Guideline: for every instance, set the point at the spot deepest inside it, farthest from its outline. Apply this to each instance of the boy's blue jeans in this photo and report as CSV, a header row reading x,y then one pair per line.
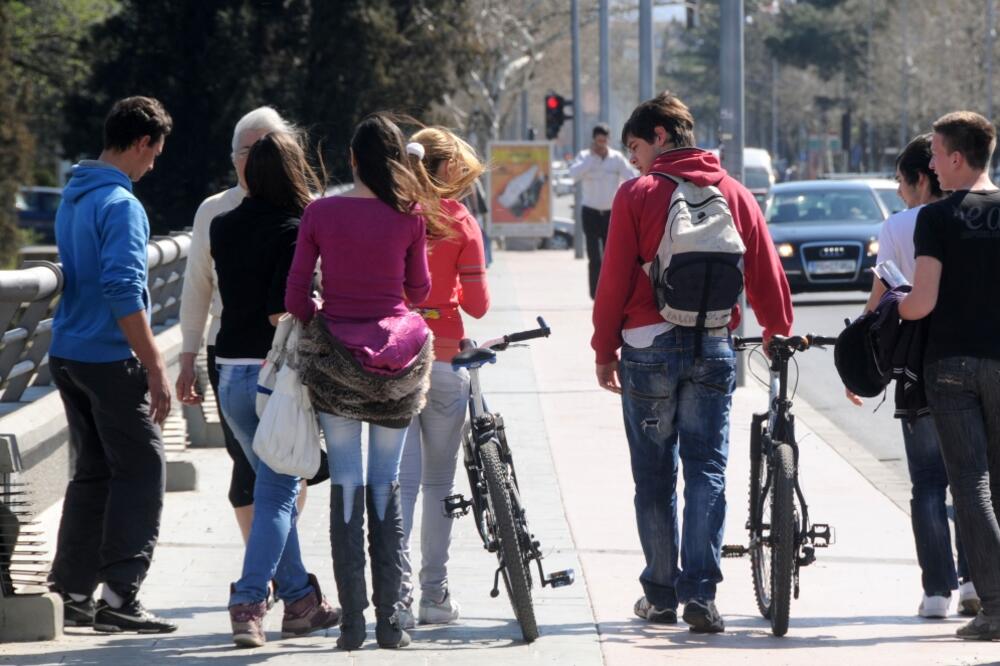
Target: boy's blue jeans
x,y
676,407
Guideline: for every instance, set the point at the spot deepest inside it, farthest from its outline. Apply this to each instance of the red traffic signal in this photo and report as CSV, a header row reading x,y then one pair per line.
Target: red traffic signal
x,y
555,114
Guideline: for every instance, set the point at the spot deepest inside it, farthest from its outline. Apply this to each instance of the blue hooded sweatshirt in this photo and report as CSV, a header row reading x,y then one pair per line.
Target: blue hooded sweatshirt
x,y
101,232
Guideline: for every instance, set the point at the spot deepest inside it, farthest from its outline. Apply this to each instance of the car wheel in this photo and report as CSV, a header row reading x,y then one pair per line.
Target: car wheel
x,y
559,241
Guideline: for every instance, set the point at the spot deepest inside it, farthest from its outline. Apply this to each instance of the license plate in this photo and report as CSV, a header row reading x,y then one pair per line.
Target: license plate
x,y
832,266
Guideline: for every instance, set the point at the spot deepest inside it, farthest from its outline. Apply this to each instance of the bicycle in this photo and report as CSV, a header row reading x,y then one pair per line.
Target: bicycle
x,y
495,499
782,540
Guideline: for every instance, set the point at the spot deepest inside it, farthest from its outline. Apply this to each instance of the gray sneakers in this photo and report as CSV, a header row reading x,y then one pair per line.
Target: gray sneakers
x,y
444,612
647,611
981,628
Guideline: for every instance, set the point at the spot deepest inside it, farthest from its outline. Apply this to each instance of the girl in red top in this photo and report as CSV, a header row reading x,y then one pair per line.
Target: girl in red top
x,y
430,454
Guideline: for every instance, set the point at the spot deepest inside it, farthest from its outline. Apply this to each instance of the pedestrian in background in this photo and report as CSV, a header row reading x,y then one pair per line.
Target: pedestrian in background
x,y
366,358
111,378
601,169
458,280
957,242
252,247
676,382
200,297
918,186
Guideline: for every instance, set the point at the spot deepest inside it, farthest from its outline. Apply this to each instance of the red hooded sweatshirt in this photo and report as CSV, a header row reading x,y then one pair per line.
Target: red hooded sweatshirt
x,y
624,296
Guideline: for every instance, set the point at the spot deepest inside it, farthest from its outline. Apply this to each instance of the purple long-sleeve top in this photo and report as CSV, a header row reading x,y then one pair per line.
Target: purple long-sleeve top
x,y
370,257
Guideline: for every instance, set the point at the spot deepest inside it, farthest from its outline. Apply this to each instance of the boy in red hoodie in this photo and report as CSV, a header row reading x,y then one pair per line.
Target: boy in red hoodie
x,y
675,402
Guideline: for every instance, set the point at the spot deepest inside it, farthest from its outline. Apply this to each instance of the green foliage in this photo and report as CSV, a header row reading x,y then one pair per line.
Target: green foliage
x,y
323,65
39,61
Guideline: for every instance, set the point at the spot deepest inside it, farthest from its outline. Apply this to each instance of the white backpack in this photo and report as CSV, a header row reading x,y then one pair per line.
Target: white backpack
x,y
697,273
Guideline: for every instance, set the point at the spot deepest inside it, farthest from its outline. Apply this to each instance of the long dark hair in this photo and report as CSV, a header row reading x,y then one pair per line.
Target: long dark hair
x,y
278,172
379,150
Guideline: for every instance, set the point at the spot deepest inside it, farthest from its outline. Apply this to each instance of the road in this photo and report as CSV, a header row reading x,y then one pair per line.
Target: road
x,y
824,313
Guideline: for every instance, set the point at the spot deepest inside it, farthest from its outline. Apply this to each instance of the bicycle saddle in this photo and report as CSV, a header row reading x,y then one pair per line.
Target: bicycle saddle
x,y
473,358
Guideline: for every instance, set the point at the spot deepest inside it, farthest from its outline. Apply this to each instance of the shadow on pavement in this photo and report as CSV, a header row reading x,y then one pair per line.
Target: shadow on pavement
x,y
750,633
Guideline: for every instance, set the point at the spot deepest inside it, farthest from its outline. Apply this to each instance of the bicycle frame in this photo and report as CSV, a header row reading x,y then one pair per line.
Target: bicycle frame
x,y
486,426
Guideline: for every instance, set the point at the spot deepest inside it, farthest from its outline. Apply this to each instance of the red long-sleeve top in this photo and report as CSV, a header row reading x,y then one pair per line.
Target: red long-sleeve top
x,y
458,279
625,298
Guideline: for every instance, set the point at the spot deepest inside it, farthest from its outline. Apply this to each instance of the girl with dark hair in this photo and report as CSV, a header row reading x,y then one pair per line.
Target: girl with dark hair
x,y
458,280
252,247
366,358
918,186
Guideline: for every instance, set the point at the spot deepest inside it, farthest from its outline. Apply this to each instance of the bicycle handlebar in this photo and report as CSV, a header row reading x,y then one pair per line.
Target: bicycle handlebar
x,y
542,331
501,343
793,343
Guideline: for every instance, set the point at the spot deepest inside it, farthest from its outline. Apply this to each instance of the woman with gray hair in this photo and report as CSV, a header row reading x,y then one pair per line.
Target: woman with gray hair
x,y
200,297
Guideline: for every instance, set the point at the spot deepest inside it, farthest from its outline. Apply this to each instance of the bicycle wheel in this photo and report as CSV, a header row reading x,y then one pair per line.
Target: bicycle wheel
x,y
782,537
515,572
760,556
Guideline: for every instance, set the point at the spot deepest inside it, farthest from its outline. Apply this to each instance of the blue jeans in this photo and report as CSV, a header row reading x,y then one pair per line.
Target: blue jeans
x,y
929,510
676,407
272,550
346,456
964,396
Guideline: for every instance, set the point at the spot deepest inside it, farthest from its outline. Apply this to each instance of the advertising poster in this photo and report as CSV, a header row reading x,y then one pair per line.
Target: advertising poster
x,y
520,188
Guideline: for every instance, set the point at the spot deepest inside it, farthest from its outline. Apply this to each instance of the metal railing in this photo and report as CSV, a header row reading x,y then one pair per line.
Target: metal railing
x,y
28,299
29,296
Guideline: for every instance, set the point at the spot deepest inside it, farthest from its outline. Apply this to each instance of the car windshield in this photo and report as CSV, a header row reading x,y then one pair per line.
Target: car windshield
x,y
891,200
757,178
824,205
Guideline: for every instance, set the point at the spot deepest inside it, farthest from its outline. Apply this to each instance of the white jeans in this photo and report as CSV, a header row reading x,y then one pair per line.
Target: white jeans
x,y
430,456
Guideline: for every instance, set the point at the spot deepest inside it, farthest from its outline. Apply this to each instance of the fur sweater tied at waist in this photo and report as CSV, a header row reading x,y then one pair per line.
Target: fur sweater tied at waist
x,y
338,384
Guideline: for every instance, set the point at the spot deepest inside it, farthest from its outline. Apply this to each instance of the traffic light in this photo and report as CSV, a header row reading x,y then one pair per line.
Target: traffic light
x,y
555,114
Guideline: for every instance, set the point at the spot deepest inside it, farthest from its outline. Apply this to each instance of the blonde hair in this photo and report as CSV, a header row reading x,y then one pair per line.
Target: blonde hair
x,y
442,145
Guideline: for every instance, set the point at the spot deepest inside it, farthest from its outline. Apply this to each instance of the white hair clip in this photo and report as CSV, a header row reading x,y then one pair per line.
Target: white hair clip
x,y
416,149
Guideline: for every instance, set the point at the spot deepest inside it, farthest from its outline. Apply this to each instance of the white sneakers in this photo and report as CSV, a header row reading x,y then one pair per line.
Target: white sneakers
x,y
936,607
968,600
431,612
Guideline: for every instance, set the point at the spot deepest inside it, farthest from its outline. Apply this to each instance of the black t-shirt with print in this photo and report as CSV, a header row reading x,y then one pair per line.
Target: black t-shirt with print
x,y
962,231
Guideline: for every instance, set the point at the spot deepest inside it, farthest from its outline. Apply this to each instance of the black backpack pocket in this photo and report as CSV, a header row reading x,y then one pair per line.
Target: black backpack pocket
x,y
701,282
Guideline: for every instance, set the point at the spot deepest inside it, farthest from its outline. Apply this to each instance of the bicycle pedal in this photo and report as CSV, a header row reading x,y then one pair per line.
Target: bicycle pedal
x,y
735,551
822,535
456,506
560,578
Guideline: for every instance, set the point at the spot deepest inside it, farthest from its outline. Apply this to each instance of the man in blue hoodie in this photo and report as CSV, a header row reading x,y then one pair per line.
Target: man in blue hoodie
x,y
111,378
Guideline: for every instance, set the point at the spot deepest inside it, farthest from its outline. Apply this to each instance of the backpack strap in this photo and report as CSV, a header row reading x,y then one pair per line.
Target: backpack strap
x,y
676,181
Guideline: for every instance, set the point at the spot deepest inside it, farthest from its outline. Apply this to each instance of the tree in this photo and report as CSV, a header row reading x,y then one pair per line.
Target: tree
x,y
323,65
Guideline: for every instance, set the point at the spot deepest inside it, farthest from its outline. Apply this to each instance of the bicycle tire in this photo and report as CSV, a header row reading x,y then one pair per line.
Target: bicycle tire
x,y
760,556
782,537
515,573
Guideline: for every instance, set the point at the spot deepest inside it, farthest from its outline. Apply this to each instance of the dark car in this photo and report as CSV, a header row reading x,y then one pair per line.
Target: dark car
x,y
826,231
36,211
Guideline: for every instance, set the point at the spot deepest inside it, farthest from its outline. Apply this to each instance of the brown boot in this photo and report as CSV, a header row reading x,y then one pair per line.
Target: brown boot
x,y
248,624
308,614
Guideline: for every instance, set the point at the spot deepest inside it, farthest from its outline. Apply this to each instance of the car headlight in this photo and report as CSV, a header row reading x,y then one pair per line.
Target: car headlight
x,y
872,248
786,250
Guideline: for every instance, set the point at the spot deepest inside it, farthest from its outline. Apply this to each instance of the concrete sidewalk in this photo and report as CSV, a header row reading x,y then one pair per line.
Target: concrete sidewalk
x,y
859,598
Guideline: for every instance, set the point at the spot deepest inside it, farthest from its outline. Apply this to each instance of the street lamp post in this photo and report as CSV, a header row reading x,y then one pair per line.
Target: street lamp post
x,y
577,130
645,50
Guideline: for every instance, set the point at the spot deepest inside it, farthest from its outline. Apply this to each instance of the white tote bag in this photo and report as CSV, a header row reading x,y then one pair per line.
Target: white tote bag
x,y
286,339
287,437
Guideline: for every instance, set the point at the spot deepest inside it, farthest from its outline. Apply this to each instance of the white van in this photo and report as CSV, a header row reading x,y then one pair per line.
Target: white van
x,y
758,172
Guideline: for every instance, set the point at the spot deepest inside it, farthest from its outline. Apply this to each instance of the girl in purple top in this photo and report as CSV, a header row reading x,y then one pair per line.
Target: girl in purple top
x,y
366,357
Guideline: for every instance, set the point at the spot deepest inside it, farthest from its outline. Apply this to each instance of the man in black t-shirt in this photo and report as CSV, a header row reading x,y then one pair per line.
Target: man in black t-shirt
x,y
957,242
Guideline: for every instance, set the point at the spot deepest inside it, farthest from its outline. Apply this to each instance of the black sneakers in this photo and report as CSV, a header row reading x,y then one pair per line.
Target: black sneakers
x,y
77,613
651,613
703,617
130,617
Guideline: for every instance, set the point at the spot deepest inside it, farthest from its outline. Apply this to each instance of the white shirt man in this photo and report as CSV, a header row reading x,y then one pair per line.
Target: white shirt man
x,y
601,169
